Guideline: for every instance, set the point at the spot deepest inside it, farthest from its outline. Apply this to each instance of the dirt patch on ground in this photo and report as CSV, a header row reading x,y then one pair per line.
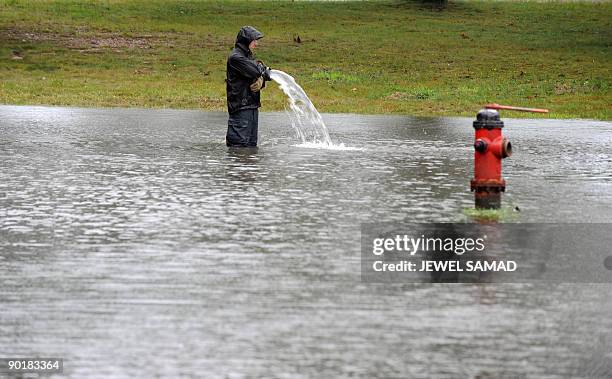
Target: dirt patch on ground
x,y
81,41
398,96
87,40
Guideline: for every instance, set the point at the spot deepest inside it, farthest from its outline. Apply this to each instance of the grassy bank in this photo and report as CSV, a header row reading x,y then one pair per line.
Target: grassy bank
x,y
363,57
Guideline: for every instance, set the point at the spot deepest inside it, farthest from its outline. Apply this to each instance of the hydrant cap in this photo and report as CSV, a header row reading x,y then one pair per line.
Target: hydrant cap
x,y
488,118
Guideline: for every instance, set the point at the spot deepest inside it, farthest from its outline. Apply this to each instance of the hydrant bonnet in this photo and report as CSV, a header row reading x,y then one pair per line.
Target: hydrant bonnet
x,y
488,119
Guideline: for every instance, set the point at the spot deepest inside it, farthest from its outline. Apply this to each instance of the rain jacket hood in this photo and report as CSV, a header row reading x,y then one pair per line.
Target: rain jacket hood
x,y
246,35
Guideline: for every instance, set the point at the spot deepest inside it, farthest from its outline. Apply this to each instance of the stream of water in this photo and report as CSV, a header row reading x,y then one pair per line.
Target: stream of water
x,y
305,118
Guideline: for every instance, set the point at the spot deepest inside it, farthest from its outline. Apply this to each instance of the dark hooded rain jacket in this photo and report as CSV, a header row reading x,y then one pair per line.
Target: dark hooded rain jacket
x,y
242,70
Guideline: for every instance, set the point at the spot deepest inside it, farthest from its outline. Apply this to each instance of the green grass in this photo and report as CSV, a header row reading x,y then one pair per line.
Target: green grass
x,y
398,57
504,214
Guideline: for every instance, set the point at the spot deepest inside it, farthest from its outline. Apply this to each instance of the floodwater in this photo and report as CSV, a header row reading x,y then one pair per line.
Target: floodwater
x,y
133,243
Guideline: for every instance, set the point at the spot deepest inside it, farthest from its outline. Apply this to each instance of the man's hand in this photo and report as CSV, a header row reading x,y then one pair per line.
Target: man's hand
x,y
265,70
257,84
266,74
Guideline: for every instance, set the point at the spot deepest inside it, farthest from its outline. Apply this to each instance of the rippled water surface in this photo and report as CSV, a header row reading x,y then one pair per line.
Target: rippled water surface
x,y
133,243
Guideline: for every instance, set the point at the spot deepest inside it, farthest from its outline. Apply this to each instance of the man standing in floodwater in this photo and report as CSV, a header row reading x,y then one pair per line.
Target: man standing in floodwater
x,y
245,77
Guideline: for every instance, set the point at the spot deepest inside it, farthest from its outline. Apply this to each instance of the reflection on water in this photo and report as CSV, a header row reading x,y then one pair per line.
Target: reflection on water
x,y
133,243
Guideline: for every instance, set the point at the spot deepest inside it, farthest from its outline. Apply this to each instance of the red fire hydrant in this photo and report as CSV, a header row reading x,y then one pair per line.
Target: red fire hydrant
x,y
490,148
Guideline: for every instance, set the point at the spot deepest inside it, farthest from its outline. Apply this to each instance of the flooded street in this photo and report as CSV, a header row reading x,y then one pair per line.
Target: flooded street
x,y
134,243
